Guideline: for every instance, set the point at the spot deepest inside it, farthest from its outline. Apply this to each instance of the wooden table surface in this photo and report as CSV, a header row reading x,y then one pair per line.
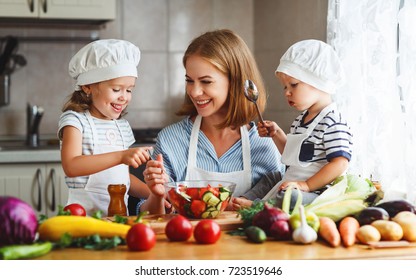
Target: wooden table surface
x,y
234,248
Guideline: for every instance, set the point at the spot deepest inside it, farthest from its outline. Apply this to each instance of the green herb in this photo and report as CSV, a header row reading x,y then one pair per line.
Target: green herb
x,y
247,214
62,212
120,219
98,214
92,242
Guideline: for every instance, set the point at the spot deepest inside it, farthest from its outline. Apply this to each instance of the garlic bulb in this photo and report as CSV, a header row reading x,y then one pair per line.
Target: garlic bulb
x,y
304,234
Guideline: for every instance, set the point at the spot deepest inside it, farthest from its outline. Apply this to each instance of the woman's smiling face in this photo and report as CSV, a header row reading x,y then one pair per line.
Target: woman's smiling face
x,y
110,98
206,86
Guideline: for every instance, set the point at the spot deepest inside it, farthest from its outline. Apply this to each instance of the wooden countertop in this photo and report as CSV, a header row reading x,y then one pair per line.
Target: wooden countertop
x,y
234,248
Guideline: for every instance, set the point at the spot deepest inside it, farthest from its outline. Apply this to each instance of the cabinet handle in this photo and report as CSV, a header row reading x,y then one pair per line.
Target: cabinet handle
x,y
52,177
39,182
44,4
31,4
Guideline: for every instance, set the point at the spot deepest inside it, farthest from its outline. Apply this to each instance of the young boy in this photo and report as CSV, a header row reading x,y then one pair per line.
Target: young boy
x,y
319,146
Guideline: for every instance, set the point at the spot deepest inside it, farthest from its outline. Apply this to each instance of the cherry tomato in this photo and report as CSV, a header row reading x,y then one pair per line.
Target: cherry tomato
x,y
75,209
178,228
140,237
207,232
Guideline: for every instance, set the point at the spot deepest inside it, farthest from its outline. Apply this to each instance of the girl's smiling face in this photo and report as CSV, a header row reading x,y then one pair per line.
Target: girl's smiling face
x,y
206,86
110,98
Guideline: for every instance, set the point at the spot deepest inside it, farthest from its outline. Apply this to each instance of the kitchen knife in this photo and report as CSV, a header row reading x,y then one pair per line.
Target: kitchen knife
x,y
11,45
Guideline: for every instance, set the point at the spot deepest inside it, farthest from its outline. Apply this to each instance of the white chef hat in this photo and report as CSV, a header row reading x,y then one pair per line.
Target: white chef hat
x,y
315,63
104,60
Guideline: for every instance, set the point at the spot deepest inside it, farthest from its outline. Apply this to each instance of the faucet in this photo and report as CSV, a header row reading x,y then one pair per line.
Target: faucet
x,y
34,115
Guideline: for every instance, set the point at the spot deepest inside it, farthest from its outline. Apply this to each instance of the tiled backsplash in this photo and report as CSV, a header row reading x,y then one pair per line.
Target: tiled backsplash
x,y
162,29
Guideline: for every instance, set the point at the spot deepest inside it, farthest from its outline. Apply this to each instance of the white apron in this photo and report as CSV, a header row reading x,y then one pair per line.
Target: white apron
x,y
95,194
298,170
241,178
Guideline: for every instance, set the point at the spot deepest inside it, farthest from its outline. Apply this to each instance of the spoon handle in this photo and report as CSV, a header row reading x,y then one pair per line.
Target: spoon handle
x,y
259,114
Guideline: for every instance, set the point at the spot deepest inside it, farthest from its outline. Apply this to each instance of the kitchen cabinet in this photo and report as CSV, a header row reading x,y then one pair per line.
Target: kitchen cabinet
x,y
42,185
59,9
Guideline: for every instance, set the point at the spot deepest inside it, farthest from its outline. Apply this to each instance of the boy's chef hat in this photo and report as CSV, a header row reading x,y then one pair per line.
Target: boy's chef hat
x,y
104,60
315,63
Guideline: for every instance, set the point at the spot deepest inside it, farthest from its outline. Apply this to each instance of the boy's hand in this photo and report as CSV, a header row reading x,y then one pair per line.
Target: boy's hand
x,y
302,185
268,129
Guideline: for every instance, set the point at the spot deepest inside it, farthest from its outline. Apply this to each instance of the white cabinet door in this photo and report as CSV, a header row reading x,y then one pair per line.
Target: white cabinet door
x,y
40,185
78,9
59,9
19,8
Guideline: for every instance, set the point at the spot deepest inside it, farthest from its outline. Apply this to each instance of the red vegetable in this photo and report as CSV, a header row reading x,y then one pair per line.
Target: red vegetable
x,y
207,232
266,217
18,223
140,237
76,209
178,228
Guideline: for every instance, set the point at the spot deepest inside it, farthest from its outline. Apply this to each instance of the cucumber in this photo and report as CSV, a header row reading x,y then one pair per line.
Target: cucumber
x,y
224,196
210,199
255,234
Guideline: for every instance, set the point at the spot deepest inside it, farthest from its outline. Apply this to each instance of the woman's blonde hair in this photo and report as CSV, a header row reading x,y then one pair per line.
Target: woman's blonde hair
x,y
229,54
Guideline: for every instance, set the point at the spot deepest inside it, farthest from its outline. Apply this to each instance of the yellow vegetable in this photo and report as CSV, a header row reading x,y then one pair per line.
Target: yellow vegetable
x,y
368,233
389,230
79,226
407,220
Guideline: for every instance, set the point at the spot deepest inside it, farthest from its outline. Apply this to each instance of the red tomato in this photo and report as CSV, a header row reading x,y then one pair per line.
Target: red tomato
x,y
197,208
207,232
140,237
75,209
178,228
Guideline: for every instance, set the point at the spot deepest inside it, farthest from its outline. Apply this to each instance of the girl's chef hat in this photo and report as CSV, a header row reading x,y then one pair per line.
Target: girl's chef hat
x,y
315,63
104,60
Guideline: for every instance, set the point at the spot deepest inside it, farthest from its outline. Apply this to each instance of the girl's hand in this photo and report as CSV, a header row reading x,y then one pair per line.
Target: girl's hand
x,y
302,185
268,129
238,203
135,156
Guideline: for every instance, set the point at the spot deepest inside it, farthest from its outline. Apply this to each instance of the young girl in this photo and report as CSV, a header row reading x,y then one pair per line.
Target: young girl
x,y
319,146
95,139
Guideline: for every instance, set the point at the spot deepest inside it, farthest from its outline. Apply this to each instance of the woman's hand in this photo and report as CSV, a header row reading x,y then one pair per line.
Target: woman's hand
x,y
238,203
155,177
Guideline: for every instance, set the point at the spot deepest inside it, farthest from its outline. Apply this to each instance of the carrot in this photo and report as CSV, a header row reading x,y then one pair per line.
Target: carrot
x,y
348,228
329,232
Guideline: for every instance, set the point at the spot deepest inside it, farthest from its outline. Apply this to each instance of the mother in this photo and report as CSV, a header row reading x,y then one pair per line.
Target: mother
x,y
217,139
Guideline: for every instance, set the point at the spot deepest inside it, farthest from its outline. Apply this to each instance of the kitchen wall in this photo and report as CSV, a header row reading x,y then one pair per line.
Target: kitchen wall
x,y
162,29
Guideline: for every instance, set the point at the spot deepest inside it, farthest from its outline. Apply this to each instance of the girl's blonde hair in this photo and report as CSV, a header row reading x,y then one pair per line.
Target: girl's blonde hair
x,y
80,102
229,54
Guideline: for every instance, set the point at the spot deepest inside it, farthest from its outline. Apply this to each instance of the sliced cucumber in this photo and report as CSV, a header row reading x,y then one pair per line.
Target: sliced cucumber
x,y
210,199
224,196
214,213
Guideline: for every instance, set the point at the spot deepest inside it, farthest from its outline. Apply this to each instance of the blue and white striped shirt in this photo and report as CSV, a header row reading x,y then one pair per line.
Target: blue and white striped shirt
x,y
330,138
173,144
80,121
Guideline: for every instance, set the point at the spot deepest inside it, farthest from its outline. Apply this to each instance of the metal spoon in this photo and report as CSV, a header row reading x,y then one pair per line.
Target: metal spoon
x,y
184,195
252,94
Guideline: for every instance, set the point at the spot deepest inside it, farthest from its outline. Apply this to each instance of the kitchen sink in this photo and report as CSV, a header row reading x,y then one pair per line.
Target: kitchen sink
x,y
20,145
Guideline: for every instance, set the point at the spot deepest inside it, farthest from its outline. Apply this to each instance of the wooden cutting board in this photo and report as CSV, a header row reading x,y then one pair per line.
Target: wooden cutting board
x,y
227,220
